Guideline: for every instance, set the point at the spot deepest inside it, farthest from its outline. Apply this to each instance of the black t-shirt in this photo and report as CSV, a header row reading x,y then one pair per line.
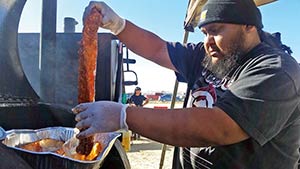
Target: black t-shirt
x,y
137,100
262,95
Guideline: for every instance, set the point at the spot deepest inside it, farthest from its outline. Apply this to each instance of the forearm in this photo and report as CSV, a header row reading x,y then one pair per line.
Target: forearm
x,y
184,127
146,44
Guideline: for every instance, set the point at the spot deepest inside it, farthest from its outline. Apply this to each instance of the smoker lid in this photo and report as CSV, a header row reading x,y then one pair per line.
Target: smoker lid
x,y
14,86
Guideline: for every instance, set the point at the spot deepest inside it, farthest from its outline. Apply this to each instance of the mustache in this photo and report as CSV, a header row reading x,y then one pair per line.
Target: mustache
x,y
212,48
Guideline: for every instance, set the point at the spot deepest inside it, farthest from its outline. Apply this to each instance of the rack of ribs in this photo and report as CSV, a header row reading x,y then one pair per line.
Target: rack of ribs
x,y
88,52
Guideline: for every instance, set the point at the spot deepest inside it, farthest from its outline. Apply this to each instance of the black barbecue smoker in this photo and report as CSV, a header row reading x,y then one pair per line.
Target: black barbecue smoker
x,y
38,77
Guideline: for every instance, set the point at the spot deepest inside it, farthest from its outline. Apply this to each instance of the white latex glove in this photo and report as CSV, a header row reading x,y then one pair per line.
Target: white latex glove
x,y
101,116
110,20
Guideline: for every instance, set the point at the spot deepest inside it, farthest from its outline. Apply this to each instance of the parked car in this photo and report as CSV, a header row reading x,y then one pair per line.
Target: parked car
x,y
168,97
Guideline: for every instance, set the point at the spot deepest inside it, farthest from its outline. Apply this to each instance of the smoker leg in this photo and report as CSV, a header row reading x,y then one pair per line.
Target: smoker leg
x,y
117,158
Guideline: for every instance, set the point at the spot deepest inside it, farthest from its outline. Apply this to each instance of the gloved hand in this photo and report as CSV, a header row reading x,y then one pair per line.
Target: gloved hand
x,y
101,116
110,20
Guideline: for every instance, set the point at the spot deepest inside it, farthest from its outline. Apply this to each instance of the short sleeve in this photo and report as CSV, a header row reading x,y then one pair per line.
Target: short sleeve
x,y
187,59
144,98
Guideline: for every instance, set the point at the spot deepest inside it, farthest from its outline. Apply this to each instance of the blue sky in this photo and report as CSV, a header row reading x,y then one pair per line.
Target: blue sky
x,y
165,18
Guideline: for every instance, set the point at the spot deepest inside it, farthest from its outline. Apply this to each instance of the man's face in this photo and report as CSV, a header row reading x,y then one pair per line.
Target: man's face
x,y
137,92
223,43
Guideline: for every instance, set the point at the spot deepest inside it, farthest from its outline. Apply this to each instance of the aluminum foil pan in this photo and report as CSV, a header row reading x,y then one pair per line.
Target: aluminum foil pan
x,y
50,160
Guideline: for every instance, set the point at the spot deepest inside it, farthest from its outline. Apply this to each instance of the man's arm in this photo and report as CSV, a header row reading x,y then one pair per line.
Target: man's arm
x,y
188,127
146,44
140,41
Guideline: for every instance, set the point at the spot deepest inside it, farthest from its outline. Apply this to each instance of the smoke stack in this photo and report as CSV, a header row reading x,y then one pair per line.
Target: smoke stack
x,y
69,25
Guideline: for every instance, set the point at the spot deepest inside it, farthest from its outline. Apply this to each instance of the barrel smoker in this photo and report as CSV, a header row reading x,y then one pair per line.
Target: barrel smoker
x,y
38,78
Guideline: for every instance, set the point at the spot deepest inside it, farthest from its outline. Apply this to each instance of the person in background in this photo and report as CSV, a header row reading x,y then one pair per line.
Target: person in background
x,y
245,100
137,99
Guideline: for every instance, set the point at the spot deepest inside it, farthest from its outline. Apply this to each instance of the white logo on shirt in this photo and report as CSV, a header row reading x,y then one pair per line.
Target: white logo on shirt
x,y
208,150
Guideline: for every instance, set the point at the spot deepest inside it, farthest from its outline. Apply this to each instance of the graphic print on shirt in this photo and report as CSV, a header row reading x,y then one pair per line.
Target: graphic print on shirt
x,y
204,96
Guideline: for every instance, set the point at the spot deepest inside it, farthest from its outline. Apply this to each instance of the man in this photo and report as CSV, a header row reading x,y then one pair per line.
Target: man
x,y
137,99
245,98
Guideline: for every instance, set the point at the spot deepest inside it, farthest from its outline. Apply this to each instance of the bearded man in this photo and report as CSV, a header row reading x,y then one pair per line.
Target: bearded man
x,y
244,109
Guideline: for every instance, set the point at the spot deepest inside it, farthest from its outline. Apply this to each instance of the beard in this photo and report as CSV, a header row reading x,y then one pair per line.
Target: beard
x,y
222,67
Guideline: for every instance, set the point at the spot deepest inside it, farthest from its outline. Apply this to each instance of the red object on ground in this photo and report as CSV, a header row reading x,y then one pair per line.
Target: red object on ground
x,y
160,107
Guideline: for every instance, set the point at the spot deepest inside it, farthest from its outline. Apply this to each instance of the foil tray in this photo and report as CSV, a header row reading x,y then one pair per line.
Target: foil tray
x,y
50,160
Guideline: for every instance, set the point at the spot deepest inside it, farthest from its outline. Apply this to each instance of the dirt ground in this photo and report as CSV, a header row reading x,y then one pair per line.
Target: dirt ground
x,y
146,154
